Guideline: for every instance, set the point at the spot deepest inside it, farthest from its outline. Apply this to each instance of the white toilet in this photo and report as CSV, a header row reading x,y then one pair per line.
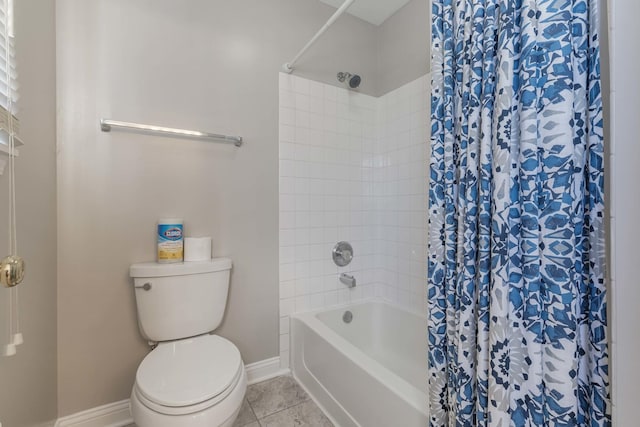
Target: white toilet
x,y
192,378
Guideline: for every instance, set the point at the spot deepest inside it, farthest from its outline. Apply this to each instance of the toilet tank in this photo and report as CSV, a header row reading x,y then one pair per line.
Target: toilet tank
x,y
180,300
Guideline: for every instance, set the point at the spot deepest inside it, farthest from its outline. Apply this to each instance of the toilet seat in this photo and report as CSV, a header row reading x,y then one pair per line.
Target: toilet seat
x,y
189,375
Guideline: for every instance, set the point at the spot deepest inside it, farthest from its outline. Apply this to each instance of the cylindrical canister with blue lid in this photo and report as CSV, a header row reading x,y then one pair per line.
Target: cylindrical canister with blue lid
x,y
170,240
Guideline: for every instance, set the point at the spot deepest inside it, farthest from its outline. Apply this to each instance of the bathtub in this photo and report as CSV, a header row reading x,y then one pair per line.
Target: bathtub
x,y
371,372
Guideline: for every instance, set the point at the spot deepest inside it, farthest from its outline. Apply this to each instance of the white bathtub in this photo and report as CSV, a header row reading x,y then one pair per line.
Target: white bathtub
x,y
371,372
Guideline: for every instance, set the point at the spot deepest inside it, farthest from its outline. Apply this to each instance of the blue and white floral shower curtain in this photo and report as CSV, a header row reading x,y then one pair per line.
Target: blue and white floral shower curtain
x,y
517,322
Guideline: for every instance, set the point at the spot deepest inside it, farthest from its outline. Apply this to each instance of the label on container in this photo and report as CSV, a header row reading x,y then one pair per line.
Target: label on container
x,y
170,243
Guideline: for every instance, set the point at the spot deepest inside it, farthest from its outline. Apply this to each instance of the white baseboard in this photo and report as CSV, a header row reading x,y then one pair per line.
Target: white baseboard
x,y
118,414
264,370
111,415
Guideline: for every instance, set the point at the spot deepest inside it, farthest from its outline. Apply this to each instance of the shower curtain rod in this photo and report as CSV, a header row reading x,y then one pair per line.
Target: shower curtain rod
x,y
288,66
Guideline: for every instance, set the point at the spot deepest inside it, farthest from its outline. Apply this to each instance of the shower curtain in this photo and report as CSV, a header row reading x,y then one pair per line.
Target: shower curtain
x,y
516,285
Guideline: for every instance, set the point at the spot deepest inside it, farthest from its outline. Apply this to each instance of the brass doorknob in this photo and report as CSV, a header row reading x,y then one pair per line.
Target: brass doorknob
x,y
11,271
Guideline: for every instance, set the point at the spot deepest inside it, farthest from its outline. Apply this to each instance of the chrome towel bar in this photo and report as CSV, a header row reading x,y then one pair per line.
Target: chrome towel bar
x,y
106,125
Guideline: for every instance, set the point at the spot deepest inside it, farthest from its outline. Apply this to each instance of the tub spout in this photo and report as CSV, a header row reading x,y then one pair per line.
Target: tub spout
x,y
348,280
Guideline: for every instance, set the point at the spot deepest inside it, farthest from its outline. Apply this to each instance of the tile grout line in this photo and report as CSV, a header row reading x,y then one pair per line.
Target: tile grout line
x,y
253,412
286,409
308,398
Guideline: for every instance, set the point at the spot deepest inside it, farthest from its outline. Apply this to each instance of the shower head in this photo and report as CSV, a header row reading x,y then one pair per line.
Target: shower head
x,y
353,80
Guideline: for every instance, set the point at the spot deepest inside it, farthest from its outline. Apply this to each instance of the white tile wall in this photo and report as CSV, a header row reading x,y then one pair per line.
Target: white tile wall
x,y
352,167
401,193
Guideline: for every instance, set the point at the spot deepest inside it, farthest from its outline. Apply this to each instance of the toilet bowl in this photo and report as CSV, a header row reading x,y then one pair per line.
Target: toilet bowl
x,y
192,378
196,382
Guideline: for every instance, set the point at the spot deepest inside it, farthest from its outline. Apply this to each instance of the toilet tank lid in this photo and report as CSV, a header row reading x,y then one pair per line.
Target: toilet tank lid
x,y
154,269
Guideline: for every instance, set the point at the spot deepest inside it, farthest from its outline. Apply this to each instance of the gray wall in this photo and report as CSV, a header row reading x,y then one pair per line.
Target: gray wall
x,y
403,42
625,208
28,379
212,65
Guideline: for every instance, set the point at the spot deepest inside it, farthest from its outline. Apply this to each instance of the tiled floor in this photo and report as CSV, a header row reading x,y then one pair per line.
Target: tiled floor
x,y
279,402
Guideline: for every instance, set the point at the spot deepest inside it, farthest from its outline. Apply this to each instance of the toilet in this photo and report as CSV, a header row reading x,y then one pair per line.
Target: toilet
x,y
191,378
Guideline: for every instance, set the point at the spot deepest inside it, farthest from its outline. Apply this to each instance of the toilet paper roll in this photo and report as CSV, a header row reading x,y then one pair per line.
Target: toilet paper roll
x,y
197,249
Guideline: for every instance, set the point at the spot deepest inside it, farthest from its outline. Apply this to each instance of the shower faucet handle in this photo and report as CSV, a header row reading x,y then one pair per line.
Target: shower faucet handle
x,y
342,254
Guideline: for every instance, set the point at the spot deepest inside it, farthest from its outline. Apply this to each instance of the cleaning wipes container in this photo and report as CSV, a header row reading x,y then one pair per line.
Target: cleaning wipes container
x,y
170,240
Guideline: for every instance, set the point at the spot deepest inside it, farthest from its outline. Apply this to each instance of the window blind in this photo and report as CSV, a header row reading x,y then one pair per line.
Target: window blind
x,y
8,73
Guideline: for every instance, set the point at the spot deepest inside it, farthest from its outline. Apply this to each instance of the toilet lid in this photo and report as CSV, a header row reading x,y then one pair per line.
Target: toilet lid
x,y
189,371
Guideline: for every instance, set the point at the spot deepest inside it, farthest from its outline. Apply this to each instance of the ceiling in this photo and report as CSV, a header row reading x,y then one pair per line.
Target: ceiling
x,y
373,11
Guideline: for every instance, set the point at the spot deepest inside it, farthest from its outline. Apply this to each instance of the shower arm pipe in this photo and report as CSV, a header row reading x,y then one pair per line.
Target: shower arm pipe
x,y
288,67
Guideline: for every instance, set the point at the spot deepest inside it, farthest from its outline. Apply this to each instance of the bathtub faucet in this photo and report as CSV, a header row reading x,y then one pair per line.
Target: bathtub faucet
x,y
348,280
